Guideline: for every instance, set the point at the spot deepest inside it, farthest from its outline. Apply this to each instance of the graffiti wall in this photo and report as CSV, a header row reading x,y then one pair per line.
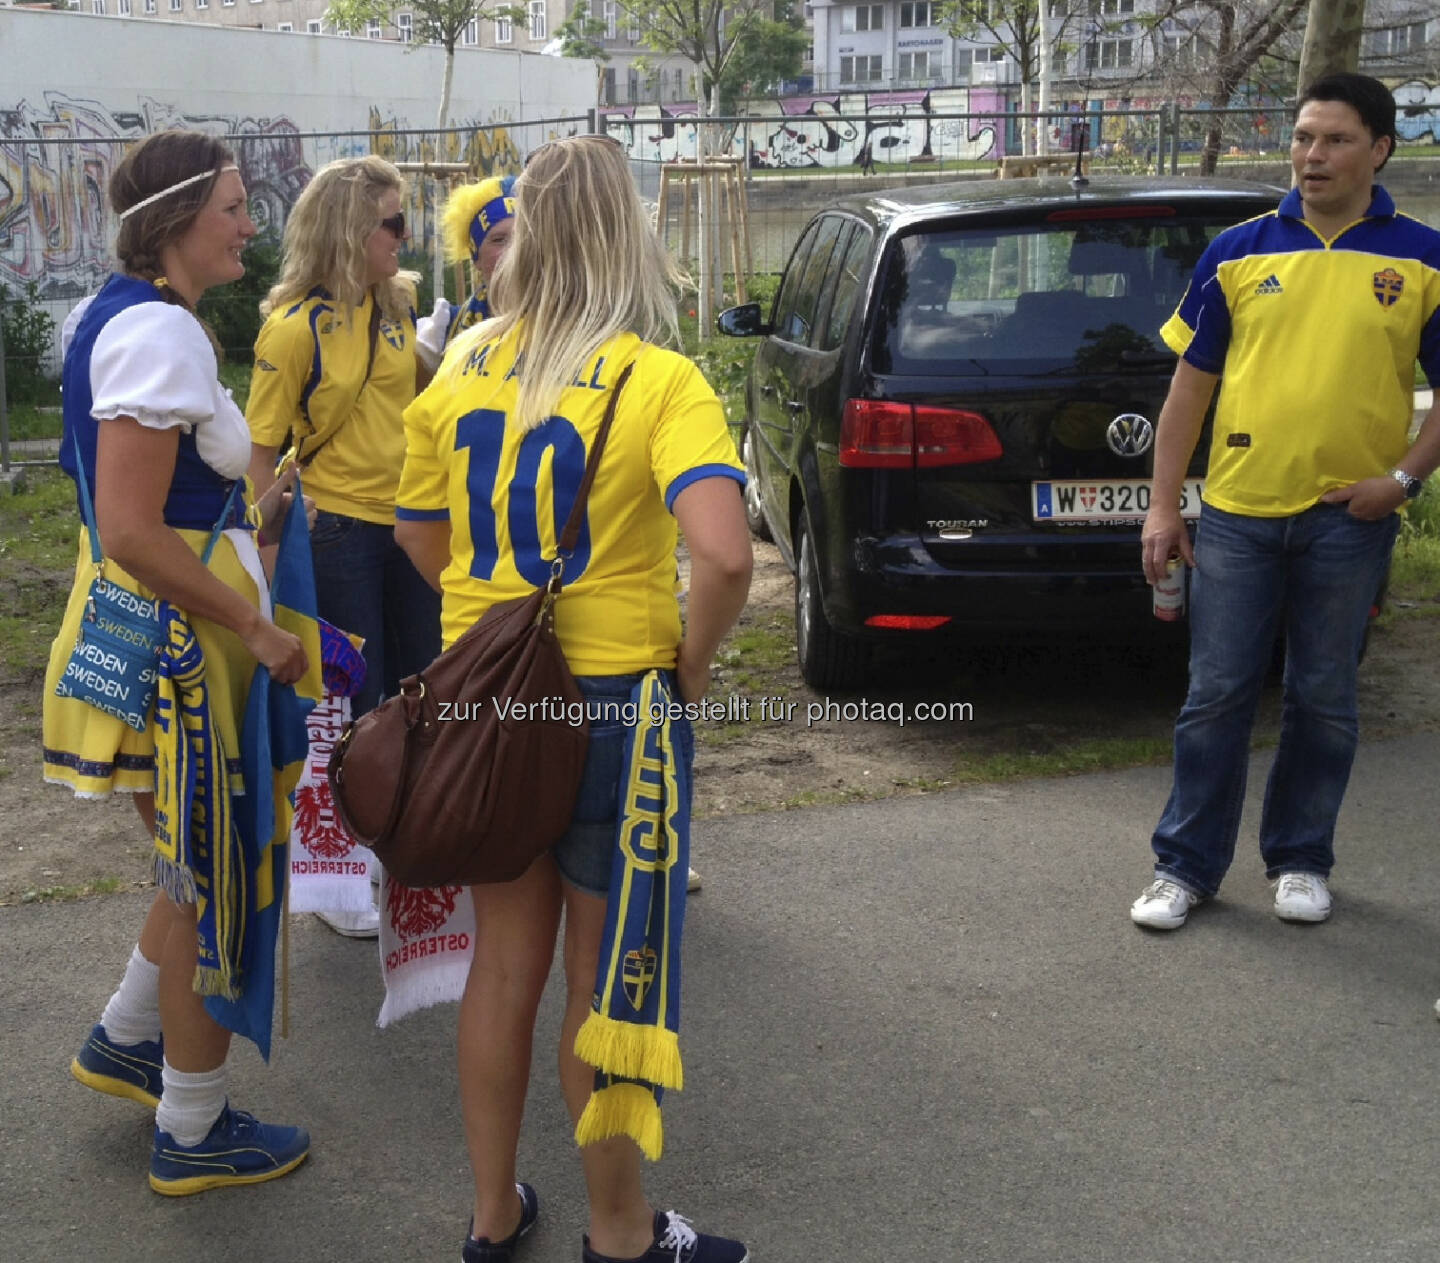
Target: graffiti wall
x,y
827,130
65,121
1418,117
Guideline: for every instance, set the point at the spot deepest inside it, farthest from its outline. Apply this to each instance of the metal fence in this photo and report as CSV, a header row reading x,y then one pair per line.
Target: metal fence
x,y
55,237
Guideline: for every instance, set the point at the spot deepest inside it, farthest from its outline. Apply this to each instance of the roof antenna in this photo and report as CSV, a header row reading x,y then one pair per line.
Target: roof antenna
x,y
1079,180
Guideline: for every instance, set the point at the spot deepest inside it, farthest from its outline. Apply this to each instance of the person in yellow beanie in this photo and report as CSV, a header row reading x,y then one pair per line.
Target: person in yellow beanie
x,y
477,222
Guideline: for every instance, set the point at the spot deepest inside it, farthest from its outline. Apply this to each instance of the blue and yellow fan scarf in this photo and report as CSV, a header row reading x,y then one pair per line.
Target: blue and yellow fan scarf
x,y
632,1034
469,313
198,856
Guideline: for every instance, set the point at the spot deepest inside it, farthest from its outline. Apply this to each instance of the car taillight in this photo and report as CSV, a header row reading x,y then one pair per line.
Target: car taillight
x,y
877,434
908,622
882,434
944,436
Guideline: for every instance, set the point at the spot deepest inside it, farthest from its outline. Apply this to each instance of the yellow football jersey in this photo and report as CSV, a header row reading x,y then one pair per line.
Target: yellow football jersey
x,y
507,494
309,373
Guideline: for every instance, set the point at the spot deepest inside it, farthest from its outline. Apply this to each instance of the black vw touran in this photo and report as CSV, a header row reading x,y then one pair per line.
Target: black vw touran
x,y
949,426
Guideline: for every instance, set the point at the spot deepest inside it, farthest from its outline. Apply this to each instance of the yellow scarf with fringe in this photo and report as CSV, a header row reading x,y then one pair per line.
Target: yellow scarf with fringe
x,y
631,1036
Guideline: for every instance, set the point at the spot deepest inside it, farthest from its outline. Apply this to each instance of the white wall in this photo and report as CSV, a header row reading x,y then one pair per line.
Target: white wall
x,y
93,81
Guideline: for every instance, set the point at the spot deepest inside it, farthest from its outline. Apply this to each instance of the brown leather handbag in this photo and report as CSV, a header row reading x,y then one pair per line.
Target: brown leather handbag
x,y
472,770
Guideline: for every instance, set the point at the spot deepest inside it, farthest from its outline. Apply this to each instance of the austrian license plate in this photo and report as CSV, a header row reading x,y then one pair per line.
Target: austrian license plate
x,y
1103,500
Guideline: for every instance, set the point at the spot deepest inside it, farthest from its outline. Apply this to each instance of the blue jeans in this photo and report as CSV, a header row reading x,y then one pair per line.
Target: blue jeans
x,y
1314,575
586,851
365,584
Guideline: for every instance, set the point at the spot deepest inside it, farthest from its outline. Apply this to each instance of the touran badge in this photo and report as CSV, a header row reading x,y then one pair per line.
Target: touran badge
x,y
1388,286
1129,434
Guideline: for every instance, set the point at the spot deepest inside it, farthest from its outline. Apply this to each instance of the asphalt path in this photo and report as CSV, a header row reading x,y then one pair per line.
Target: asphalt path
x,y
922,1029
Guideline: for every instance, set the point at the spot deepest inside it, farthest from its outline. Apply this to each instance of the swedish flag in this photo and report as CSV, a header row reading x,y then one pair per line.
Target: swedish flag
x,y
273,745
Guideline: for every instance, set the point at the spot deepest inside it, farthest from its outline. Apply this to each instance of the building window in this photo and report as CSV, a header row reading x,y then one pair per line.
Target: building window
x,y
202,4
1109,54
122,7
612,20
98,7
608,90
504,30
632,28
405,24
918,14
176,5
537,19
632,84
1112,7
860,69
862,17
372,26
914,66
679,85
285,26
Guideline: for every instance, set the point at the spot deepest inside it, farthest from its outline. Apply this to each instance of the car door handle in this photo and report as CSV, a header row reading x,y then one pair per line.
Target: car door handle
x,y
795,406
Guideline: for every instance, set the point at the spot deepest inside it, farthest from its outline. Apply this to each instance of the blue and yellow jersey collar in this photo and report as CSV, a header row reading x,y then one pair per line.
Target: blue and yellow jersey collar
x,y
1382,205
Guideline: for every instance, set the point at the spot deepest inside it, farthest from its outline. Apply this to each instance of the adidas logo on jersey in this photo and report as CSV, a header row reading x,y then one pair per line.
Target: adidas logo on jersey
x,y
1270,285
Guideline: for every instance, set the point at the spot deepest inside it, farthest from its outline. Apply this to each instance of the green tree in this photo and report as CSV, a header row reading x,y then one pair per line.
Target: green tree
x,y
440,22
770,51
1018,29
582,35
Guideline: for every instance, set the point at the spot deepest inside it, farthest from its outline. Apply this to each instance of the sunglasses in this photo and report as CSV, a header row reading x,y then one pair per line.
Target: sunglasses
x,y
603,137
395,224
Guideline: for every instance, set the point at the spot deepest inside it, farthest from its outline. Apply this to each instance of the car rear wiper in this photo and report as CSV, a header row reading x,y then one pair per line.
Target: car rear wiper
x,y
1147,357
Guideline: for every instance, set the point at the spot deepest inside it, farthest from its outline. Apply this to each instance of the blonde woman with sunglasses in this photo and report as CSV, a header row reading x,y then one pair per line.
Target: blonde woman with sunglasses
x,y
335,366
495,448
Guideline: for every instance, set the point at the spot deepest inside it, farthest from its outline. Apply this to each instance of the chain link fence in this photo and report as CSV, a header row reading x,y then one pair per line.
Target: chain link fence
x,y
55,239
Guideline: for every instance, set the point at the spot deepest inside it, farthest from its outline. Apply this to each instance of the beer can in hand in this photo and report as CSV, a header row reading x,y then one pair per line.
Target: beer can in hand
x,y
1168,596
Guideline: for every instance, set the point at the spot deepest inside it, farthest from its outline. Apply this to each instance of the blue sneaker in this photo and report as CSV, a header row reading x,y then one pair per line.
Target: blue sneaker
x,y
483,1250
676,1241
128,1070
239,1150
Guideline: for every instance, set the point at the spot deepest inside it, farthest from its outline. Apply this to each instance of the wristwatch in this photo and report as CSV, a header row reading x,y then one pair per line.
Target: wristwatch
x,y
1413,486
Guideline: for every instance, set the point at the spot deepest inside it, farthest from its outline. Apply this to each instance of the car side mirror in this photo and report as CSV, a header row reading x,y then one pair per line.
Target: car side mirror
x,y
744,321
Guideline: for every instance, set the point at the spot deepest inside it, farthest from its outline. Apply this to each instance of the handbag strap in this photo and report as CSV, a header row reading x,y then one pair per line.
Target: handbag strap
x,y
97,557
570,536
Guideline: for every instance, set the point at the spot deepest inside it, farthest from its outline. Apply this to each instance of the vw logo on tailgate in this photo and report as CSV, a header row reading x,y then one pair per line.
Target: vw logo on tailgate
x,y
1129,434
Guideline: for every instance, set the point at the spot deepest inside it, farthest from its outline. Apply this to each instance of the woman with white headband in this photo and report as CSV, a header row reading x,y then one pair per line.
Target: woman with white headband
x,y
156,443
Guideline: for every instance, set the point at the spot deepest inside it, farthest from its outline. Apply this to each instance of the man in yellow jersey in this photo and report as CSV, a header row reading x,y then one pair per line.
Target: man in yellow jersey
x,y
1314,316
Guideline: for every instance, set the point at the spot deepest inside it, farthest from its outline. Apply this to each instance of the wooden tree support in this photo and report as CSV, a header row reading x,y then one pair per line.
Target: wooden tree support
x,y
726,179
451,174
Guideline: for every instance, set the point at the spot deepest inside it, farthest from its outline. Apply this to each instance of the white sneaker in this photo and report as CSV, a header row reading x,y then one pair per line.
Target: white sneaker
x,y
1302,897
353,924
692,882
1163,905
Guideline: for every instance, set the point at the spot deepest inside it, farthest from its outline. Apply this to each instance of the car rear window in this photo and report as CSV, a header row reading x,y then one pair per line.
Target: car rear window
x,y
1073,294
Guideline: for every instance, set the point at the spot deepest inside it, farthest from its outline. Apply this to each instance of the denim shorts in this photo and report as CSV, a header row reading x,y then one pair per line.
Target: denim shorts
x,y
586,852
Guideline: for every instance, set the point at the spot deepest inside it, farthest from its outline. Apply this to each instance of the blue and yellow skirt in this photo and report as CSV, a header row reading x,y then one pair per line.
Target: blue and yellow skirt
x,y
96,754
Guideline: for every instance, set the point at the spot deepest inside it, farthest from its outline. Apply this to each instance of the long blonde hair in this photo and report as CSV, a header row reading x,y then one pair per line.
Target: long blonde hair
x,y
326,233
583,266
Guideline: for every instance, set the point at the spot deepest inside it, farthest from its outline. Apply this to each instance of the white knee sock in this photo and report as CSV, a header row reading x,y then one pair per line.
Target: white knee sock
x,y
133,1013
190,1103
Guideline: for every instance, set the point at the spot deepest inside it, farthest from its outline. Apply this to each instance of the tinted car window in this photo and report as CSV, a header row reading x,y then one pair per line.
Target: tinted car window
x,y
798,322
1073,294
848,277
783,316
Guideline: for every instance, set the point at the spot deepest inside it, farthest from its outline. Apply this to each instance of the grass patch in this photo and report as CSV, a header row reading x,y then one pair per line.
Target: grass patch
x,y
65,894
37,554
754,654
1103,755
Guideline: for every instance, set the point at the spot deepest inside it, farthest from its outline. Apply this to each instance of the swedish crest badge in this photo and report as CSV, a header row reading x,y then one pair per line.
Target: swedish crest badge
x,y
637,972
1388,286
